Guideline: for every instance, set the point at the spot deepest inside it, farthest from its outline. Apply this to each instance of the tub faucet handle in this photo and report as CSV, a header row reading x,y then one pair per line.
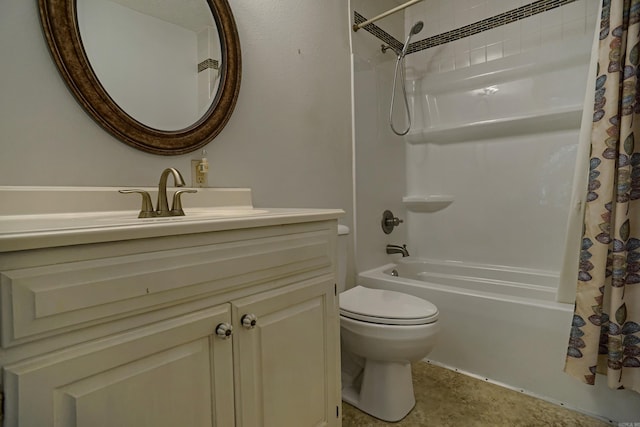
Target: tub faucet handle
x,y
395,221
389,221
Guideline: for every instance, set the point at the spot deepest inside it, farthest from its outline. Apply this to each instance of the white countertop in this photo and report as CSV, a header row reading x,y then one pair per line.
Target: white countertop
x,y
53,227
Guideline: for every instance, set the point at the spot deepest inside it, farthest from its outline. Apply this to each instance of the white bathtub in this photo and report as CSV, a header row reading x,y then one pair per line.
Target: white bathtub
x,y
503,325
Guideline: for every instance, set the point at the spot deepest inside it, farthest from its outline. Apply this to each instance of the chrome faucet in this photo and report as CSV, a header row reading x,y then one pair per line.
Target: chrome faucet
x,y
162,207
397,249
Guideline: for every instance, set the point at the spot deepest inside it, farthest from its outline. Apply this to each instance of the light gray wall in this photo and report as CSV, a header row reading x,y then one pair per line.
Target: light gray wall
x,y
289,138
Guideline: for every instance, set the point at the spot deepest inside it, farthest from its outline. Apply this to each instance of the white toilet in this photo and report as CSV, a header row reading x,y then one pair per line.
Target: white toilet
x,y
381,333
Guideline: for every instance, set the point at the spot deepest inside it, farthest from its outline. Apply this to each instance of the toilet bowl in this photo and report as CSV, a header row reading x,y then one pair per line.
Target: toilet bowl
x,y
381,333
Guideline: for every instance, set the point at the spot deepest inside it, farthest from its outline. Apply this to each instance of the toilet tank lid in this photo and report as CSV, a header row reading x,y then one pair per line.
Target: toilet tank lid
x,y
394,307
342,230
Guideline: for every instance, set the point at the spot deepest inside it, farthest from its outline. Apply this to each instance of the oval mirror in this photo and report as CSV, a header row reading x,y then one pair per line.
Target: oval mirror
x,y
160,75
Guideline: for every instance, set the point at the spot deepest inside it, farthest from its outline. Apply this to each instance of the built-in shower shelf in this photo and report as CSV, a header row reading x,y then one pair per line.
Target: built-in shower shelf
x,y
427,203
548,121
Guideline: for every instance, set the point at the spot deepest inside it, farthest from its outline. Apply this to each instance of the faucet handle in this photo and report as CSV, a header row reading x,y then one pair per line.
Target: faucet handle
x,y
176,204
389,221
146,211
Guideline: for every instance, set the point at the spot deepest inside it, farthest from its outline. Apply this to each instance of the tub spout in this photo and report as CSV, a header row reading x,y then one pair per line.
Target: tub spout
x,y
397,249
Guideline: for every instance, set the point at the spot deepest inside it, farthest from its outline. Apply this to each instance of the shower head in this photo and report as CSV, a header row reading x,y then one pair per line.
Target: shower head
x,y
417,27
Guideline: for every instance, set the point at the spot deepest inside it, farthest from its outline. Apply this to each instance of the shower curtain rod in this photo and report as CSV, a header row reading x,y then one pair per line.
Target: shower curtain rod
x,y
356,27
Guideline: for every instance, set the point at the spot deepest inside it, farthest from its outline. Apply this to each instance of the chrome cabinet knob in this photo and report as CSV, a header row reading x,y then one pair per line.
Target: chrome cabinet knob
x,y
249,321
224,330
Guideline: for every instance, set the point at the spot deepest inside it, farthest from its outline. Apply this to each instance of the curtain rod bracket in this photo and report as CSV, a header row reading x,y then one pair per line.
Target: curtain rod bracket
x,y
356,27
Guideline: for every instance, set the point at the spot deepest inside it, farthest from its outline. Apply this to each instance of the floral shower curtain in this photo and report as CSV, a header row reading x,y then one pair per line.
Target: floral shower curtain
x,y
605,333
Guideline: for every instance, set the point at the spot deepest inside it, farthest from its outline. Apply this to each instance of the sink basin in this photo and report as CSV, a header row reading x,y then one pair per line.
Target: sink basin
x,y
191,214
224,212
51,209
71,221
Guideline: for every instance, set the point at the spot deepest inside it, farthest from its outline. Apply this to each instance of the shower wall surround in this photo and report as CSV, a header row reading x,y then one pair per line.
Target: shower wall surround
x,y
209,56
486,24
379,155
497,116
496,24
515,30
496,119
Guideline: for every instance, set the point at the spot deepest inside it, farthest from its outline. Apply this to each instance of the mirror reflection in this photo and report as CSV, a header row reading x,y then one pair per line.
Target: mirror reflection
x,y
159,60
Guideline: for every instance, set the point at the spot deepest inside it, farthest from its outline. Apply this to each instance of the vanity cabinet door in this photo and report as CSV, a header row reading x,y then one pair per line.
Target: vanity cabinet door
x,y
287,364
177,372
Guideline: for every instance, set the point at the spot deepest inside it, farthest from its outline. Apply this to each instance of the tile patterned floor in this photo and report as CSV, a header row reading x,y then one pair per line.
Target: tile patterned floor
x,y
446,398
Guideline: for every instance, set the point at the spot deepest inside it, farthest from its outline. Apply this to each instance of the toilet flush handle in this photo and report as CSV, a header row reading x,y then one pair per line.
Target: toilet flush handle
x,y
249,321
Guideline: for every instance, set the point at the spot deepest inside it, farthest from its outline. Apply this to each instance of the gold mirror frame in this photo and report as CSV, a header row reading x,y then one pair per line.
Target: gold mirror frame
x,y
63,37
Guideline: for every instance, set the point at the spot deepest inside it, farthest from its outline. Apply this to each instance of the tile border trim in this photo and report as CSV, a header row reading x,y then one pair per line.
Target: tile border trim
x,y
504,18
209,63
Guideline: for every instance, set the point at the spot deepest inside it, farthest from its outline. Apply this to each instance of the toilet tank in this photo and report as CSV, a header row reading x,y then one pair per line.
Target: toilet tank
x,y
343,243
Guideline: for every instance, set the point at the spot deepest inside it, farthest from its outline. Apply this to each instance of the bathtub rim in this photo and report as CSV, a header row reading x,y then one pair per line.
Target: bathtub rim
x,y
373,277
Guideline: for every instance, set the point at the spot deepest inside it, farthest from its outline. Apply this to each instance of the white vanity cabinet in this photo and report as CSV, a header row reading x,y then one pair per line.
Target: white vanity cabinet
x,y
131,333
170,373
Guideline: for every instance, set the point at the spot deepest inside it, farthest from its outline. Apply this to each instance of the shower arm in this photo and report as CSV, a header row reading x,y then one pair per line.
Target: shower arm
x,y
356,27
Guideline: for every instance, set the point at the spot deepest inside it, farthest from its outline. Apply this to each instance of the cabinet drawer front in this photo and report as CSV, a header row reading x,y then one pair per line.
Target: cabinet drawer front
x,y
43,301
160,375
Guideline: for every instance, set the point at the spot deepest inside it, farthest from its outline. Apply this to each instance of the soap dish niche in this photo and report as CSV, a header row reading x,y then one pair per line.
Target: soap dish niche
x,y
427,203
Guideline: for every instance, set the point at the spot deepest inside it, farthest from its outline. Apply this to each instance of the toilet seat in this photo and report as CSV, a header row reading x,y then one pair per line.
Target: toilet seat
x,y
386,307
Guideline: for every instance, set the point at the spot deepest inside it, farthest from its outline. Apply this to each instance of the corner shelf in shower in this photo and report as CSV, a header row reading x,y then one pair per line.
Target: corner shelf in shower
x,y
558,119
427,203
